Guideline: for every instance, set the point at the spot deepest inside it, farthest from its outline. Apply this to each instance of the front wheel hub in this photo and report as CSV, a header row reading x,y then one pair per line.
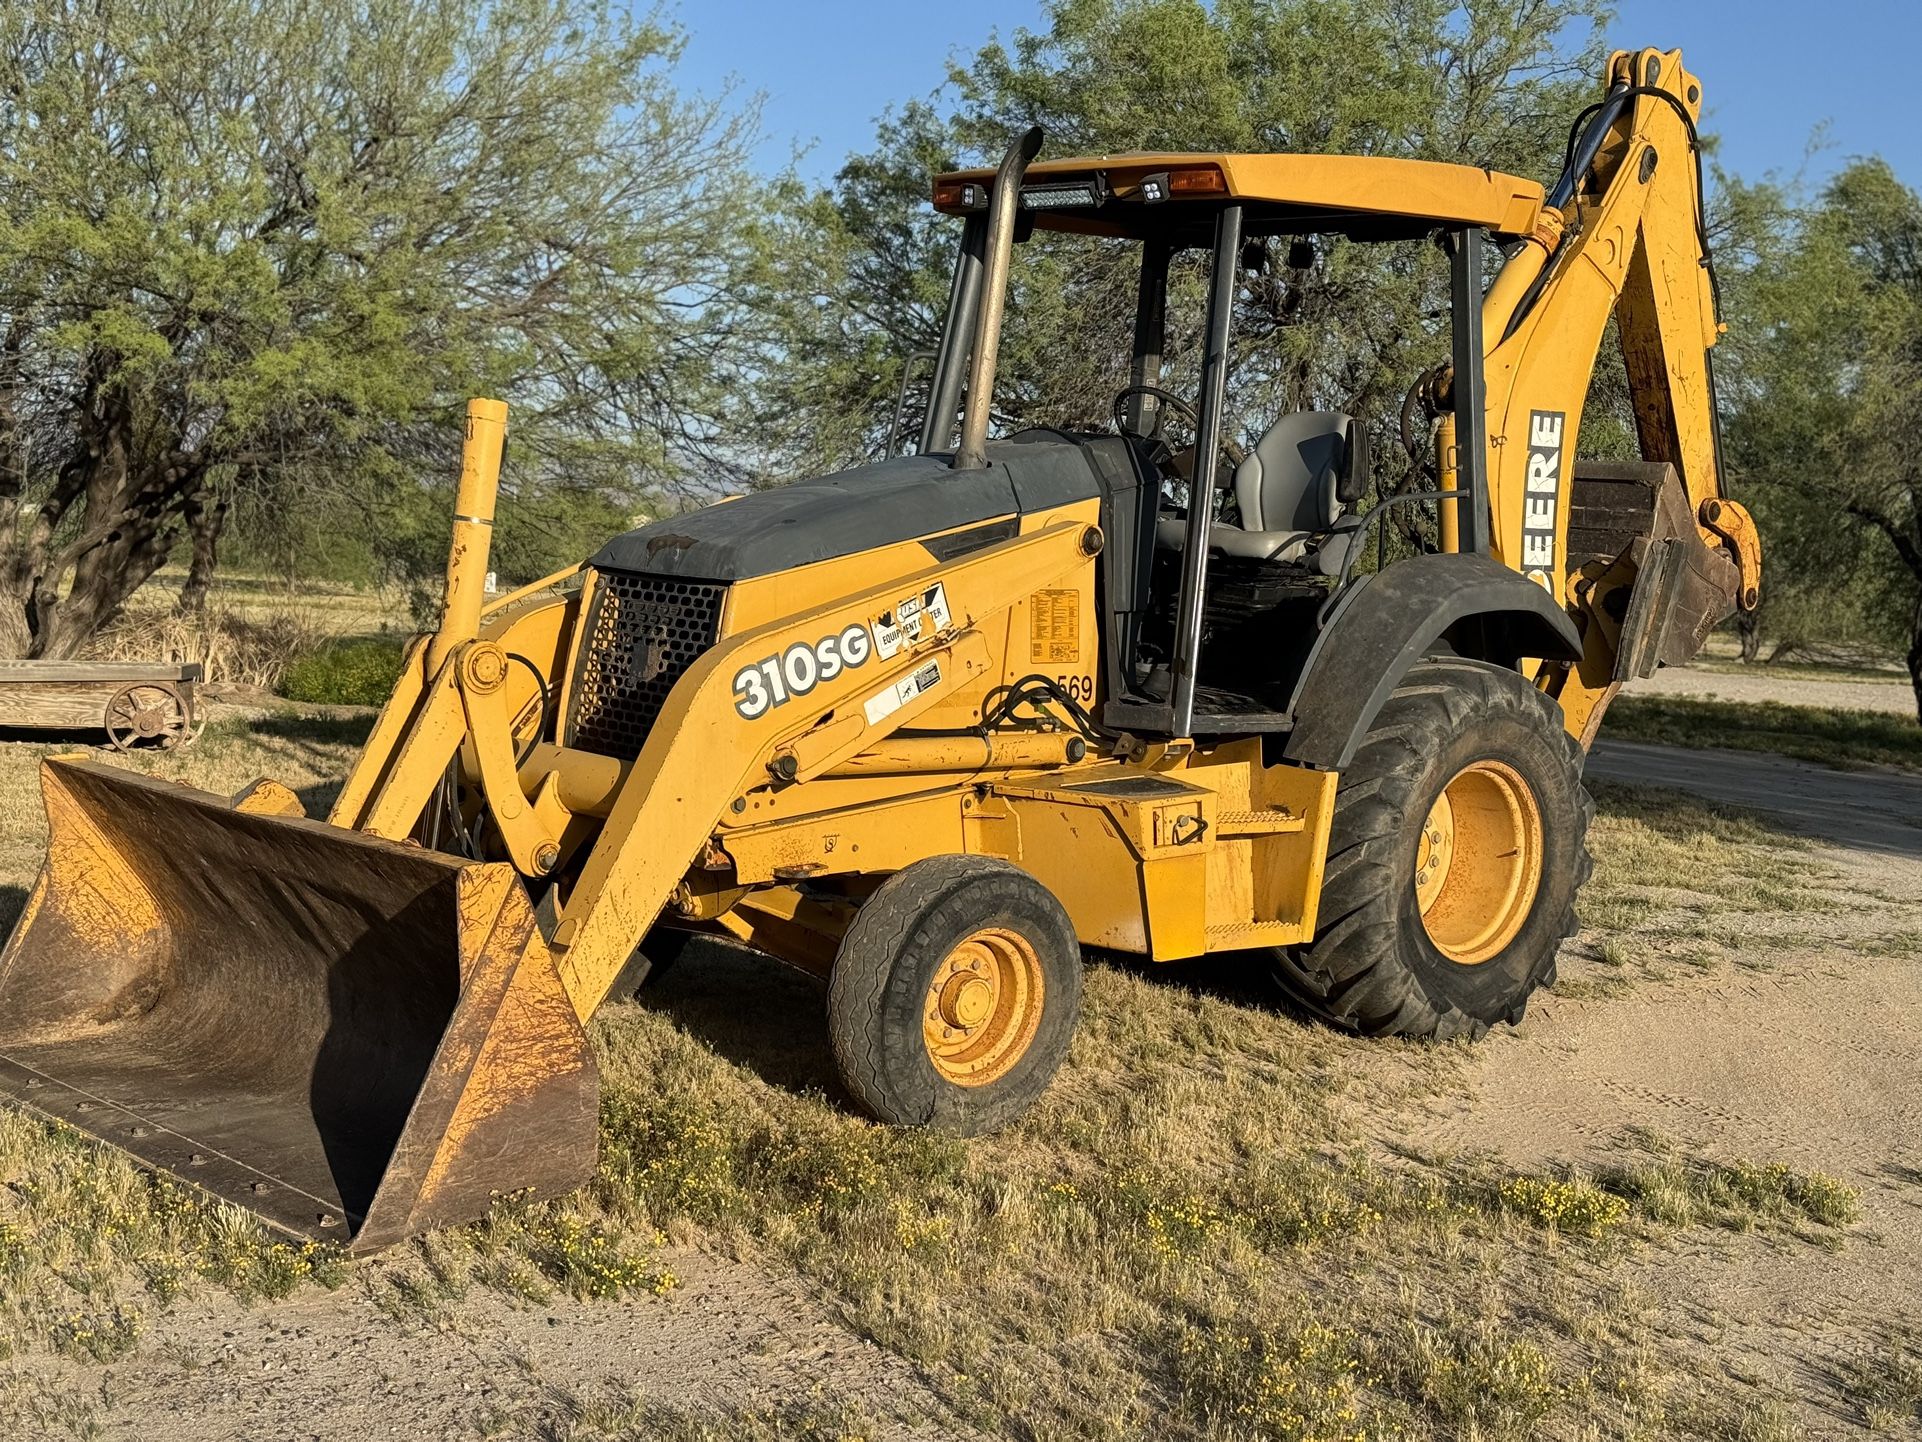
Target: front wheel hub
x,y
983,1007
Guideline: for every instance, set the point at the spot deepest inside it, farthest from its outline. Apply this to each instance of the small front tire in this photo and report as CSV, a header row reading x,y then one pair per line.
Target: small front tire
x,y
954,995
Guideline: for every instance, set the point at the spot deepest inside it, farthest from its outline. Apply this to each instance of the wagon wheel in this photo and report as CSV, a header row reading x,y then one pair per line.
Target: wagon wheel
x,y
148,711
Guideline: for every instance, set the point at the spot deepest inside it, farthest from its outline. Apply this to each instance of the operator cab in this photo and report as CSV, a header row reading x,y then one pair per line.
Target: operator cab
x,y
1223,562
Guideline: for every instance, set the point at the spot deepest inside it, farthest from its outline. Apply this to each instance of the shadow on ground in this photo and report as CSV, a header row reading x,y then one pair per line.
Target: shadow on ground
x,y
772,1020
752,1010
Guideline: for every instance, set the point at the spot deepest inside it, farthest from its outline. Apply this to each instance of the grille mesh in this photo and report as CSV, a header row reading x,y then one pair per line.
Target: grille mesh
x,y
645,631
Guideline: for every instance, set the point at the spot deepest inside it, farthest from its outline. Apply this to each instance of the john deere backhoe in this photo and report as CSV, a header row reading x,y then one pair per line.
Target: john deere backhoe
x,y
929,727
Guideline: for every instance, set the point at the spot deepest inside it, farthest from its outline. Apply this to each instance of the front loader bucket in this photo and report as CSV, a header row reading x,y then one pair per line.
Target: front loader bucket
x,y
354,1039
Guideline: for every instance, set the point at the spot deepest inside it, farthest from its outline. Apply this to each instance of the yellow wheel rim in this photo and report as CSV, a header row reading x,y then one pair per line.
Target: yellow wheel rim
x,y
983,1007
1478,863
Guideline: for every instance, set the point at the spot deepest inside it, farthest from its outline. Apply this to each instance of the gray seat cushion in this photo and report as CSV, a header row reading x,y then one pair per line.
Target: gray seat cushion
x,y
1171,534
1285,489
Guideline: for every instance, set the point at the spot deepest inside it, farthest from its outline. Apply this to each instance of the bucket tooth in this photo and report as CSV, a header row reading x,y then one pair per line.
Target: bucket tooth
x,y
353,1038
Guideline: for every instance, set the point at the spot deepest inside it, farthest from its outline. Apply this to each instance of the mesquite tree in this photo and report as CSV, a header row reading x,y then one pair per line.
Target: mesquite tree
x,y
1488,82
1821,410
272,245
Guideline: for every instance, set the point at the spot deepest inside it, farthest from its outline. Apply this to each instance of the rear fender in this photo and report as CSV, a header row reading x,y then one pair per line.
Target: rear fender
x,y
1467,605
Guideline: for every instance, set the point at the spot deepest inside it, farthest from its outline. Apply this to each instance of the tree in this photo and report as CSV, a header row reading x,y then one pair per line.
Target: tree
x,y
269,247
1821,412
1486,83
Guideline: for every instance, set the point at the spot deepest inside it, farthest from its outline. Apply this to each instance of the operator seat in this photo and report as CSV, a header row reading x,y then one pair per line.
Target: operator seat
x,y
1291,491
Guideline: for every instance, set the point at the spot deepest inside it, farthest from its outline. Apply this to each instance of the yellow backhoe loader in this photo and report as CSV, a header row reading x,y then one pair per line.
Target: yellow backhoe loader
x,y
929,727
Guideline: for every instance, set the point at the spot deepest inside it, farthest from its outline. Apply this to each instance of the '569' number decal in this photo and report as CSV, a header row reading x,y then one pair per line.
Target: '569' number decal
x,y
798,670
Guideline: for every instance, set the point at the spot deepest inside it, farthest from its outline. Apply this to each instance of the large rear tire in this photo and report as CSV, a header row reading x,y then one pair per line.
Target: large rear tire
x,y
954,995
1458,846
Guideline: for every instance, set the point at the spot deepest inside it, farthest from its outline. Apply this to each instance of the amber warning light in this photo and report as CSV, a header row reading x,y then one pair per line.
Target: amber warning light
x,y
1189,181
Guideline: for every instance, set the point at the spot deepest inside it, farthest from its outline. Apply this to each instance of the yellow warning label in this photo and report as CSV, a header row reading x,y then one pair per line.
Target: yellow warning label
x,y
1054,626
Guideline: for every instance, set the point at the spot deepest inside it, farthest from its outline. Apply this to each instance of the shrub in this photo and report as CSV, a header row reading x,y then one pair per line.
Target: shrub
x,y
359,672
1573,1205
252,649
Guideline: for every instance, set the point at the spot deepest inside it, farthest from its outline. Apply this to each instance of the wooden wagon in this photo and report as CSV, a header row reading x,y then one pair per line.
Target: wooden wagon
x,y
133,701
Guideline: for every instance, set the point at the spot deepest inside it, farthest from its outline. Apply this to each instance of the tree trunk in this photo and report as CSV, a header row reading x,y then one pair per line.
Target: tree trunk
x,y
206,515
16,634
1915,656
1748,625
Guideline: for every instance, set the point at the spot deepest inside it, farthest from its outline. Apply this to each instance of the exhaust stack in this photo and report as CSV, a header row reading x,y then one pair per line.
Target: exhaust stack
x,y
1003,206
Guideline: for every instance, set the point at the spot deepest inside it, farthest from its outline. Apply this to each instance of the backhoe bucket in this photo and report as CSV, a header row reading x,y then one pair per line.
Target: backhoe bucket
x,y
355,1039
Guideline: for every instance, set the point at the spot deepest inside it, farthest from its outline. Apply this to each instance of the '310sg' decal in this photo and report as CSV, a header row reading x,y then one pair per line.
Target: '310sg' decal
x,y
798,670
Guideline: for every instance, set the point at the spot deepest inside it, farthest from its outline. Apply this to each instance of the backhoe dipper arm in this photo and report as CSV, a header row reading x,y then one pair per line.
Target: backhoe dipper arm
x,y
1622,233
705,754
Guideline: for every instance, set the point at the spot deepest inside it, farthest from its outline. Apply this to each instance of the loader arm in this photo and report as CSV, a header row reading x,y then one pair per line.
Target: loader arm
x,y
704,757
1626,239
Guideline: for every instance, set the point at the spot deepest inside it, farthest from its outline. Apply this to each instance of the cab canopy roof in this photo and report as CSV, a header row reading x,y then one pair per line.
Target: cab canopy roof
x,y
1174,197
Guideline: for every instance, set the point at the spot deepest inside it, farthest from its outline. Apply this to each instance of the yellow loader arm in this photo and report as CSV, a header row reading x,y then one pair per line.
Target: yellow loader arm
x,y
358,1037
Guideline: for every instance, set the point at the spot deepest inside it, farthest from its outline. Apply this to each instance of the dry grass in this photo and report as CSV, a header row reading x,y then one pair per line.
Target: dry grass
x,y
253,628
247,649
1205,1230
345,610
1684,885
622,1413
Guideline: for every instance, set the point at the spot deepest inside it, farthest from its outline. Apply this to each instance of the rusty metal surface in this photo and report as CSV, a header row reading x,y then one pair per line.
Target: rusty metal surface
x,y
352,1038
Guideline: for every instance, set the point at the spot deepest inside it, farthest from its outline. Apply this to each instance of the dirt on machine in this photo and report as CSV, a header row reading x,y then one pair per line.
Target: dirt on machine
x,y
928,728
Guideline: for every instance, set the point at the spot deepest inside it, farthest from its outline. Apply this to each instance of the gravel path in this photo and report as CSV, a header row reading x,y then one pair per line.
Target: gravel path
x,y
1893,695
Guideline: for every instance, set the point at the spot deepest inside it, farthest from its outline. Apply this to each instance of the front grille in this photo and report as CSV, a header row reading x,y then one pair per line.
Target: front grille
x,y
642,634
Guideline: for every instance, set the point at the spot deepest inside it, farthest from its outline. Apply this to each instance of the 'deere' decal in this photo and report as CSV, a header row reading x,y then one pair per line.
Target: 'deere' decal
x,y
1543,491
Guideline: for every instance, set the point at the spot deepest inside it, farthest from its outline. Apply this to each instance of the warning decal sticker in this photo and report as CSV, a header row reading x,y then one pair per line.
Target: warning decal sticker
x,y
885,703
1054,626
913,619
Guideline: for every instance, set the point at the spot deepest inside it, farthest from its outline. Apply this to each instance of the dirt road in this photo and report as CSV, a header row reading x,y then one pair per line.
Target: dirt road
x,y
1803,1052
1873,810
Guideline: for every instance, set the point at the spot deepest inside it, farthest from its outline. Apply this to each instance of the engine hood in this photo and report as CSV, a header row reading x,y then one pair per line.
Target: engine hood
x,y
905,498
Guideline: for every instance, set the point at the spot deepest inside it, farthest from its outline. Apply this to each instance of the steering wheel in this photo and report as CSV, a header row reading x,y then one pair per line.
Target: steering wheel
x,y
1169,401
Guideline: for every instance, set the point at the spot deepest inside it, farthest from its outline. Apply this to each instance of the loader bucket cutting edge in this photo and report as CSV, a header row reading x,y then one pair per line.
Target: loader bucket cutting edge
x,y
354,1039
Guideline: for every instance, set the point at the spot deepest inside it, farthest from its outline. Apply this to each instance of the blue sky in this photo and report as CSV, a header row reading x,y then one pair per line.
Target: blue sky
x,y
1773,70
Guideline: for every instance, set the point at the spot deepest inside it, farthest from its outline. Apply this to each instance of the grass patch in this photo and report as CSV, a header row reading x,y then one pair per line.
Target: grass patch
x,y
357,672
1573,1204
86,1238
1890,674
1883,1381
1202,1231
1738,1195
1681,880
1827,735
1739,860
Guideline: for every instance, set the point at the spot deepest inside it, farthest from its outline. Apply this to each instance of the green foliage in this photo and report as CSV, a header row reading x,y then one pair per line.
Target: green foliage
x,y
357,672
1486,83
266,249
1824,360
1739,1195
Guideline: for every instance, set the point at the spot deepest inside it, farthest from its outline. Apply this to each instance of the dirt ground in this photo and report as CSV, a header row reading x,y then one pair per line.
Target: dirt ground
x,y
733,1338
1809,1059
1809,1056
